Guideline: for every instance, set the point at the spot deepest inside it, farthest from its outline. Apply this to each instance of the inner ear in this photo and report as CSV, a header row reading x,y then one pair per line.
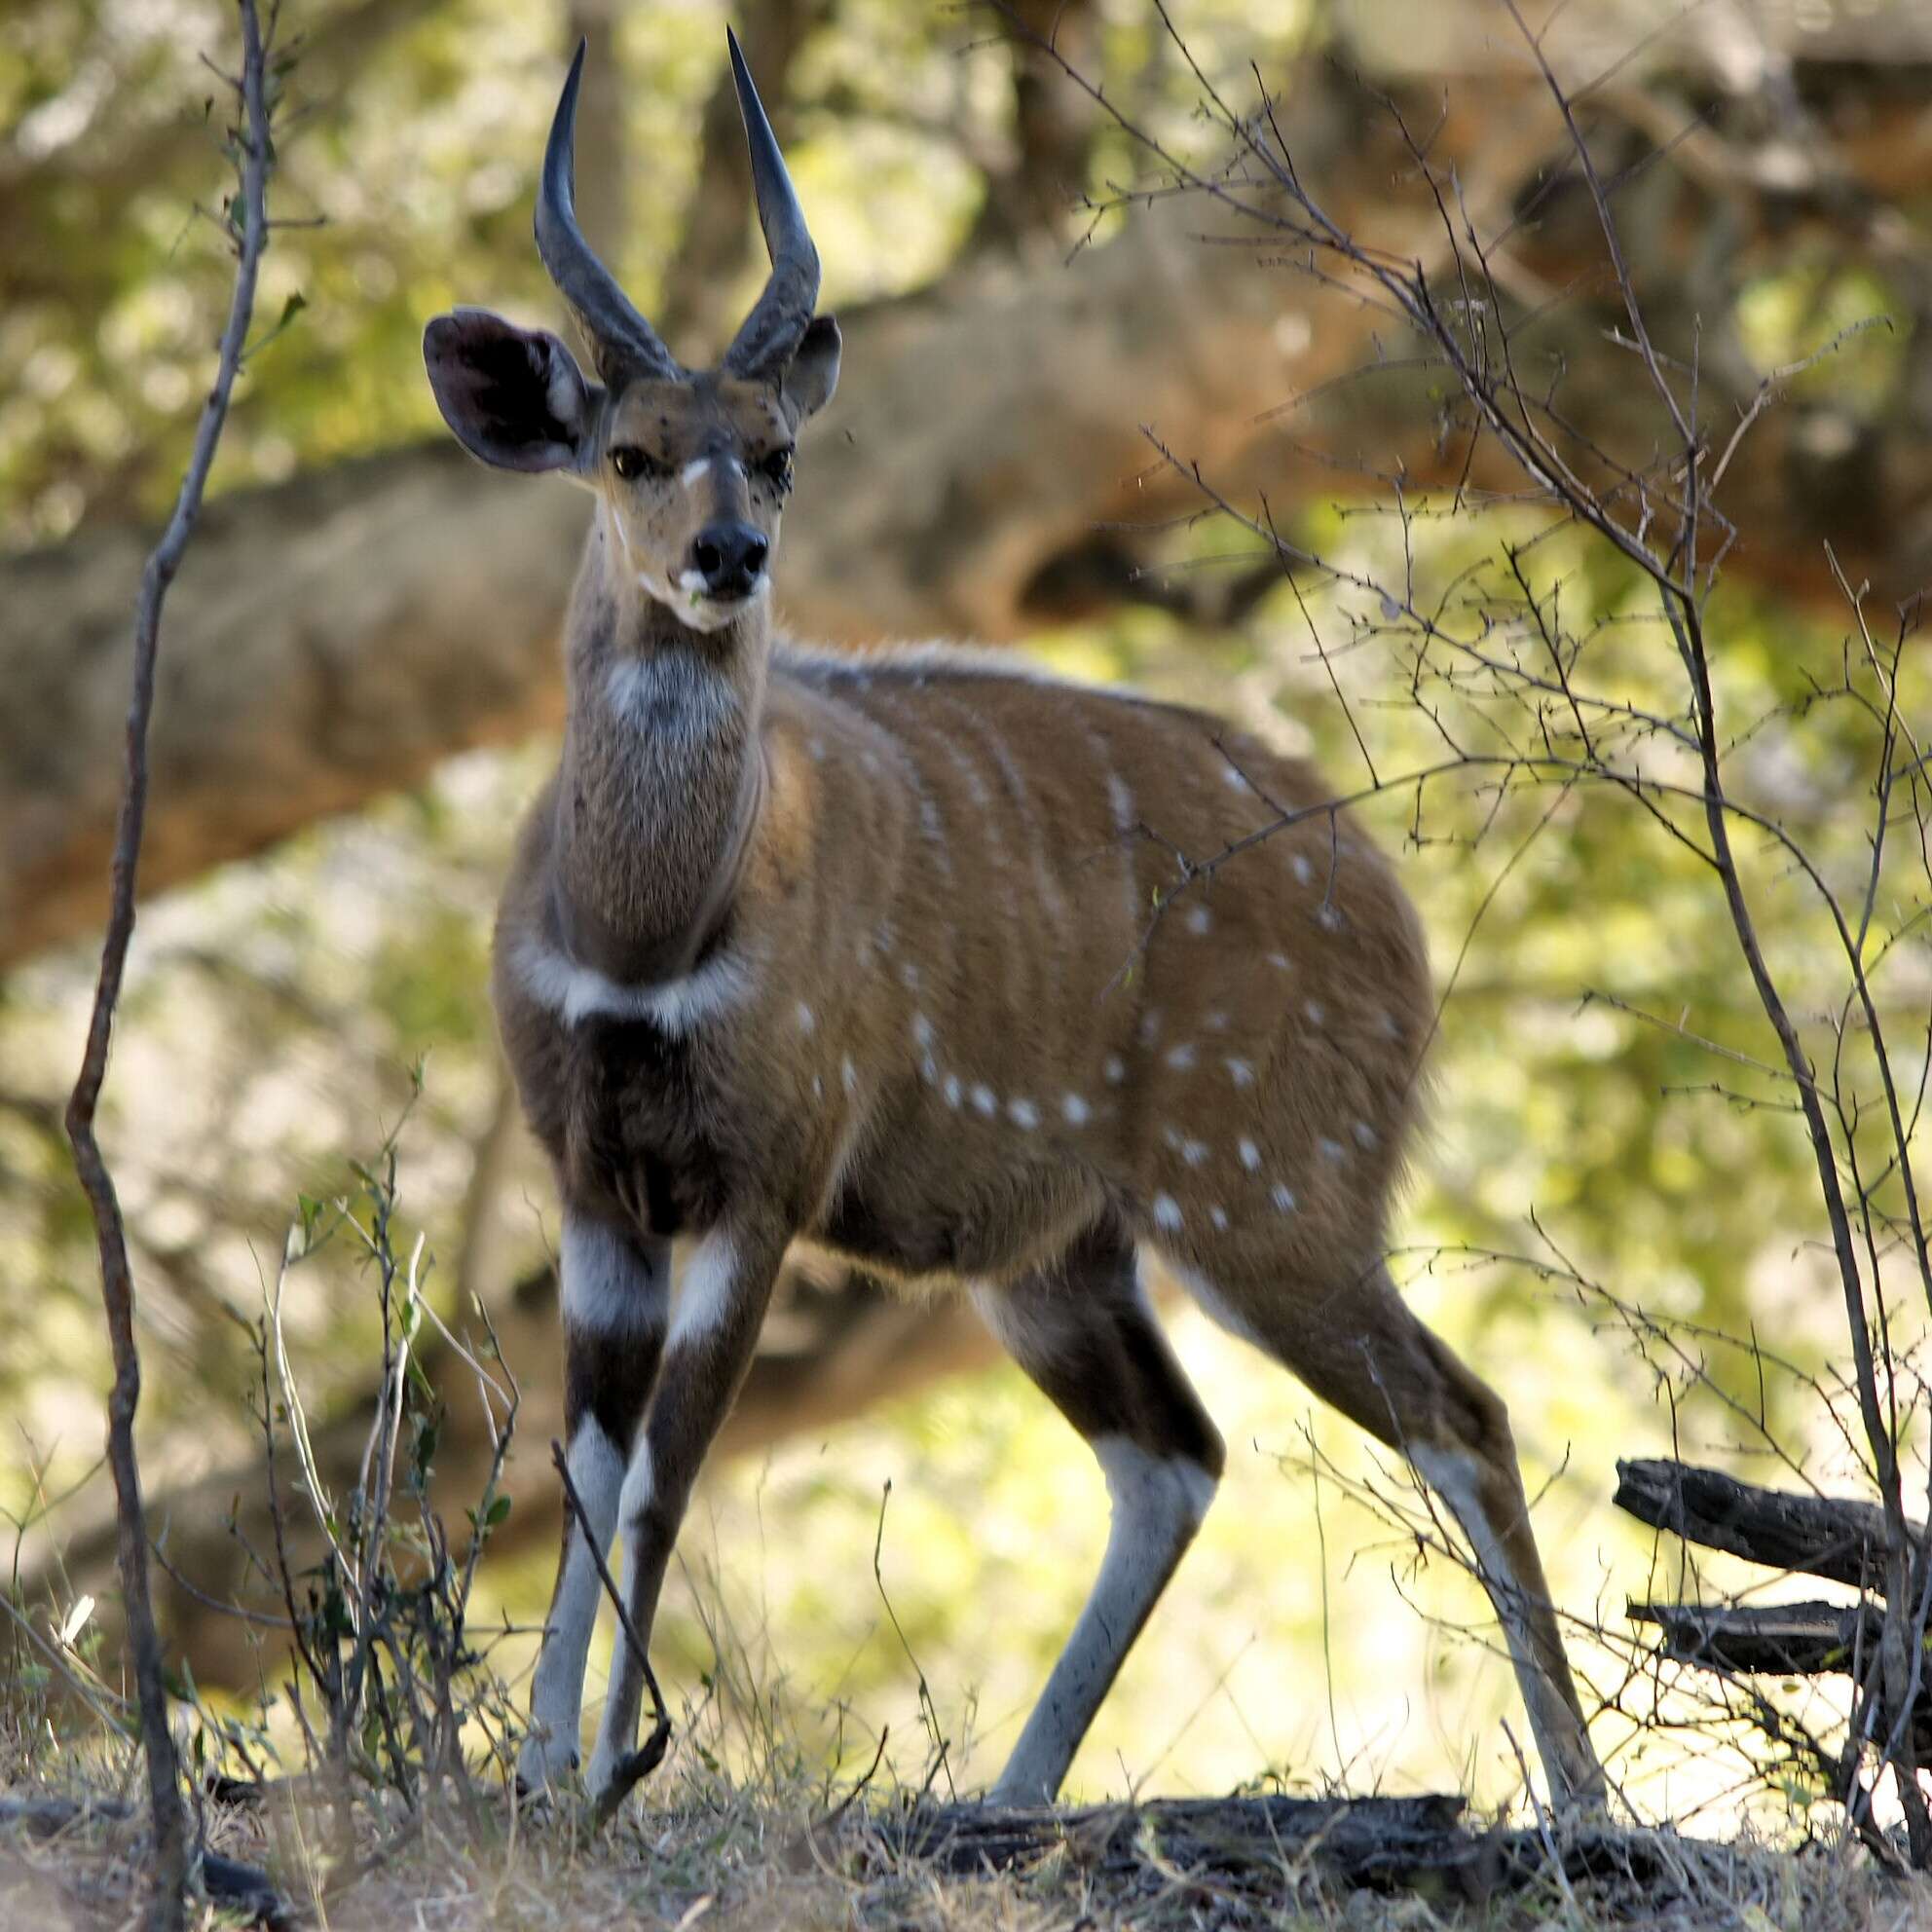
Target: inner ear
x,y
812,374
513,396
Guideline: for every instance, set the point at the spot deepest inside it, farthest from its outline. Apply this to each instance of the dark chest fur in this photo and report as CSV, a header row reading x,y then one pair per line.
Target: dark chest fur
x,y
626,1124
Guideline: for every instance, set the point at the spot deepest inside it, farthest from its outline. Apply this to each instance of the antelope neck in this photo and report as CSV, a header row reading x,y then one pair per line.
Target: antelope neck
x,y
660,789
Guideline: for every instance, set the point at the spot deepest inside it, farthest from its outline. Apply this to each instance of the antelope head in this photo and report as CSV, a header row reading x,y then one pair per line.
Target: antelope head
x,y
691,466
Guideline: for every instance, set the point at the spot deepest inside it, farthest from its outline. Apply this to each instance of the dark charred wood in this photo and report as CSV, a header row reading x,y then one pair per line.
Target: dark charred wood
x,y
1835,1537
1776,1640
1268,1847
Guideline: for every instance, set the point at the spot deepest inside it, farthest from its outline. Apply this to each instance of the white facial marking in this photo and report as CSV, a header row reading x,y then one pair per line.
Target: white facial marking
x,y
985,1099
1181,1057
1024,1113
678,1006
1166,1212
1115,1070
1199,919
1241,1072
692,474
608,1287
807,1020
1250,1156
705,1282
1282,1197
1076,1110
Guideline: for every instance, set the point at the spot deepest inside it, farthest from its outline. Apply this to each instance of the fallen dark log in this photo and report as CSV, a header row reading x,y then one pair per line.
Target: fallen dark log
x,y
245,1893
1779,1640
1820,1536
1264,1849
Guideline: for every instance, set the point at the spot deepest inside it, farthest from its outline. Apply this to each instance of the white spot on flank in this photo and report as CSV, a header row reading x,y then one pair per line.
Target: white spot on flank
x,y
1331,1150
1024,1113
1194,1152
848,1076
929,1071
1329,919
1219,1218
1388,1027
1166,1211
1240,1072
1076,1110
1150,1025
705,1286
930,821
818,1086
1232,779
1250,1156
1121,800
910,975
1282,1197
1315,1011
952,1092
1199,919
1304,872
1181,1055
1217,1022
1278,960
1365,1135
922,1030
985,1099
883,938
806,1021
1115,1070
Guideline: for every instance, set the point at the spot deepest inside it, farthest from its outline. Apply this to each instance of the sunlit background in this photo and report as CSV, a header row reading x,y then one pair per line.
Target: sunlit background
x,y
278,1003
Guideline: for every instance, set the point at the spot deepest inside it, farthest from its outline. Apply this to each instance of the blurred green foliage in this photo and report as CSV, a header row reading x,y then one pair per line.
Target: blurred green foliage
x,y
275,1008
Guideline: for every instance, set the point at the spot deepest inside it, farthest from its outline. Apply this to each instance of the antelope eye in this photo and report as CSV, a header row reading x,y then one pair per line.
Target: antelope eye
x,y
778,468
630,462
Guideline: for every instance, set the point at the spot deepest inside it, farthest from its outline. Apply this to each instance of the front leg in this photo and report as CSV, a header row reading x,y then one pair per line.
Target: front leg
x,y
616,1297
722,1290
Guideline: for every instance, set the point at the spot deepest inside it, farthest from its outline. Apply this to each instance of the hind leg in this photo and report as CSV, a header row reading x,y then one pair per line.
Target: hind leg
x,y
1084,1333
1359,1347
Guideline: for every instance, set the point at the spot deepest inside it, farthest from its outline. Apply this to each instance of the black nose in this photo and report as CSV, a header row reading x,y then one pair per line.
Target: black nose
x,y
728,557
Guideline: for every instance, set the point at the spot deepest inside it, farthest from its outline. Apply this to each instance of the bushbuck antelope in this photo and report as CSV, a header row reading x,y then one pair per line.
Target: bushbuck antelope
x,y
804,946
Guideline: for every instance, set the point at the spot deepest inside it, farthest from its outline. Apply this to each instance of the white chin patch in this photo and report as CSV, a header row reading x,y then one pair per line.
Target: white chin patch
x,y
693,608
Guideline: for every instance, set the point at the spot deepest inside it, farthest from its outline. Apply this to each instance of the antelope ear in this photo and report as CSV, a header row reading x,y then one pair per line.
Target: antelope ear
x,y
515,398
812,374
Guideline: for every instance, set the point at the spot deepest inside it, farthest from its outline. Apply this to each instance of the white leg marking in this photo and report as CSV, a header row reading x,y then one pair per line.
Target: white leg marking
x,y
1158,1504
608,1287
556,1694
633,1501
704,1289
1453,1475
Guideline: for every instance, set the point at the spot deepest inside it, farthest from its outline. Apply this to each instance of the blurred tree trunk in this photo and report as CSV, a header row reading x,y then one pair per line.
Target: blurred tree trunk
x,y
342,633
